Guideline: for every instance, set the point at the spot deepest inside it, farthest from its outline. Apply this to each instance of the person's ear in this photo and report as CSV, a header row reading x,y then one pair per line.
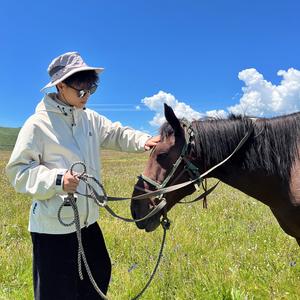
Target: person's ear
x,y
60,86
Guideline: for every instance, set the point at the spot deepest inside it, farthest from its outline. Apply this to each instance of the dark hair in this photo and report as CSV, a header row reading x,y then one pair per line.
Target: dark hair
x,y
88,77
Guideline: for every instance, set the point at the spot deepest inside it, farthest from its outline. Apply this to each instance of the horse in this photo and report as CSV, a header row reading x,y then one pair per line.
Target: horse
x,y
266,166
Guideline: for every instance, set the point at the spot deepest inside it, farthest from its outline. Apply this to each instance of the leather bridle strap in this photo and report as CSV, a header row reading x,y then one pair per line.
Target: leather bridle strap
x,y
155,210
202,196
175,187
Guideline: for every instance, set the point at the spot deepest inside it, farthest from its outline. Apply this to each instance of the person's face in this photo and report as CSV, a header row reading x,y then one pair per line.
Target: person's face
x,y
75,95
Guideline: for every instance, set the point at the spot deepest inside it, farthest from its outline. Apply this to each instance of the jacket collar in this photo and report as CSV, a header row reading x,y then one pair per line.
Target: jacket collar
x,y
50,103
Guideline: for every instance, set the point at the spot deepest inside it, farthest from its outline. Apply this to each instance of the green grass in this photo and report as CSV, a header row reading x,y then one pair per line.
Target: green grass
x,y
8,137
233,250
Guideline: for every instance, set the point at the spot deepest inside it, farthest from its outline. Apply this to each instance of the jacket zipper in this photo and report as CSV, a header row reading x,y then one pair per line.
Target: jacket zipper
x,y
86,198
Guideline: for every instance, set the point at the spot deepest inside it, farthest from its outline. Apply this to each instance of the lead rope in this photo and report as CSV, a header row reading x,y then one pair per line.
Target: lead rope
x,y
204,186
70,200
165,225
81,254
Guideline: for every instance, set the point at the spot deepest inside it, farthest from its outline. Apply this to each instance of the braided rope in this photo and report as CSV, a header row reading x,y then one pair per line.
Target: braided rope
x,y
101,201
166,225
81,254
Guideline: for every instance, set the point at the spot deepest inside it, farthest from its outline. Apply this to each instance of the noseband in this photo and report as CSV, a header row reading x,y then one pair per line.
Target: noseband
x,y
184,156
195,177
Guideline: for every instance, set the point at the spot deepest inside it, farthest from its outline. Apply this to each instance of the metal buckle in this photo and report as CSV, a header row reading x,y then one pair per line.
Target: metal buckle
x,y
165,223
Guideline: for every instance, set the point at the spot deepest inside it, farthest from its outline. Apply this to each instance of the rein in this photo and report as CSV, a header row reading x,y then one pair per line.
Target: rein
x,y
196,177
161,189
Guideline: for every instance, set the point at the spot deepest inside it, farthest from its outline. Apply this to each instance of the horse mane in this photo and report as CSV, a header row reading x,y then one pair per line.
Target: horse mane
x,y
272,146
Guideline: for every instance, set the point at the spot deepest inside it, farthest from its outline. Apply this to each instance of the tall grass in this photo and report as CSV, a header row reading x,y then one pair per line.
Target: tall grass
x,y
233,250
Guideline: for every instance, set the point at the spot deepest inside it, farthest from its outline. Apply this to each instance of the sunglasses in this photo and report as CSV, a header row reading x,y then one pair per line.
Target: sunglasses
x,y
82,92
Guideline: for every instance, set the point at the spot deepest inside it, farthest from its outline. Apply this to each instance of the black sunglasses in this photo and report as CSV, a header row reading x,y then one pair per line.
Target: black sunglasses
x,y
82,92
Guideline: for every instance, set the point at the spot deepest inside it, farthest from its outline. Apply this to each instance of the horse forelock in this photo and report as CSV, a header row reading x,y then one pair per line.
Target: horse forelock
x,y
165,131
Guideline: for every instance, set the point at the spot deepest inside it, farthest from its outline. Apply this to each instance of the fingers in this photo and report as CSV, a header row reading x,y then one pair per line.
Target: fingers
x,y
152,142
70,182
156,139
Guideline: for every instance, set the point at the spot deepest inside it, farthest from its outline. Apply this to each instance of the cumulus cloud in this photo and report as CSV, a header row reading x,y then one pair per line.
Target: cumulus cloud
x,y
156,104
262,98
259,98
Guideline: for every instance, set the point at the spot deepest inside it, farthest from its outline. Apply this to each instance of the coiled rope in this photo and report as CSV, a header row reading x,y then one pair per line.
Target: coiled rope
x,y
101,201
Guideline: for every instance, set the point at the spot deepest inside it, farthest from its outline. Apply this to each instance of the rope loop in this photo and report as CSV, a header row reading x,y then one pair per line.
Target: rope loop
x,y
78,163
68,201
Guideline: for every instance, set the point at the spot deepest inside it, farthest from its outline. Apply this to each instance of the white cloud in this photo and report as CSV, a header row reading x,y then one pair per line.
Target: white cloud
x,y
262,98
259,98
156,104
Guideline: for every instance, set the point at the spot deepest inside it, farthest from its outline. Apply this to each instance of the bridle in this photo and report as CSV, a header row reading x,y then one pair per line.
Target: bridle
x,y
189,167
195,177
184,156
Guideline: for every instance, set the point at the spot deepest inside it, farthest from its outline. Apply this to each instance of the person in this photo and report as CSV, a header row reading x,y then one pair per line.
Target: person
x,y
60,132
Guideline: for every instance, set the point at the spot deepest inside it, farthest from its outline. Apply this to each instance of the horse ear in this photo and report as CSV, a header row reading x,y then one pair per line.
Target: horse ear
x,y
172,119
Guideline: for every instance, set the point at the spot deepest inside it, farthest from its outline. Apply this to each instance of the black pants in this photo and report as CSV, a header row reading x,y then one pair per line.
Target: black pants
x,y
55,265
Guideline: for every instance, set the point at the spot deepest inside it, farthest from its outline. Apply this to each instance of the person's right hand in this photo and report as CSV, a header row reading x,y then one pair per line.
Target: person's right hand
x,y
70,182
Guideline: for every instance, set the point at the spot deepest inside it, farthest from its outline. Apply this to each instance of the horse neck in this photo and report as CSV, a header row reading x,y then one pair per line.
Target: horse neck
x,y
214,148
257,184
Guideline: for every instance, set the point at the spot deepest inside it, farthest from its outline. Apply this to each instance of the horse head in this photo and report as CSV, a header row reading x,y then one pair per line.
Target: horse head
x,y
165,168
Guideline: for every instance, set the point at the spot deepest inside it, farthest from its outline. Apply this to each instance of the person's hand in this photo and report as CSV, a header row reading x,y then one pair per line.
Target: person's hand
x,y
70,182
152,142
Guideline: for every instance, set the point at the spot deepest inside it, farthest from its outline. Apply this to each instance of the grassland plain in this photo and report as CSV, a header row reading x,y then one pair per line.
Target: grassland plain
x,y
8,137
233,250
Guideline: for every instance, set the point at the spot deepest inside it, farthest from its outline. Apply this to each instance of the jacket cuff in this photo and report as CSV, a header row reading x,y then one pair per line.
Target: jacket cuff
x,y
58,185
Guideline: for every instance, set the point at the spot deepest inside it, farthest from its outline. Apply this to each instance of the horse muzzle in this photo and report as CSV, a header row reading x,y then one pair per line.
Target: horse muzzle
x,y
140,209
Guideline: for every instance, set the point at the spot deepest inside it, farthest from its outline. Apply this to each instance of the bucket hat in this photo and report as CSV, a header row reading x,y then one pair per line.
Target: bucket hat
x,y
66,65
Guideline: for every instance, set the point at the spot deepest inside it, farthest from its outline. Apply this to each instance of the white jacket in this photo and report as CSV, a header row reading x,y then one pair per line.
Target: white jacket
x,y
50,141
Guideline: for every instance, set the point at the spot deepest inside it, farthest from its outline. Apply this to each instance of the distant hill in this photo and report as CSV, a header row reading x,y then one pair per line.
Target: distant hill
x,y
8,137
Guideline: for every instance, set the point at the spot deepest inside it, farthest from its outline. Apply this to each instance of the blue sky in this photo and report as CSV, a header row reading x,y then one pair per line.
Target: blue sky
x,y
201,55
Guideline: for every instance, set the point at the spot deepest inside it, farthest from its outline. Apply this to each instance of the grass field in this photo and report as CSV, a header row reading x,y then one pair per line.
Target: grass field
x,y
233,250
8,137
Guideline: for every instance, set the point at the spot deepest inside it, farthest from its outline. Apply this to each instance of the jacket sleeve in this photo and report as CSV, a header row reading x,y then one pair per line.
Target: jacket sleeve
x,y
25,169
115,136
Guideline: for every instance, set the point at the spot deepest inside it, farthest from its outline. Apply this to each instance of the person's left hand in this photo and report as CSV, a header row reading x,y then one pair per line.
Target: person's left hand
x,y
152,142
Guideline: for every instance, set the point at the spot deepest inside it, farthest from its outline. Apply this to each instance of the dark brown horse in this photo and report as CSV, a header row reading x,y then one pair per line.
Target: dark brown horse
x,y
266,167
